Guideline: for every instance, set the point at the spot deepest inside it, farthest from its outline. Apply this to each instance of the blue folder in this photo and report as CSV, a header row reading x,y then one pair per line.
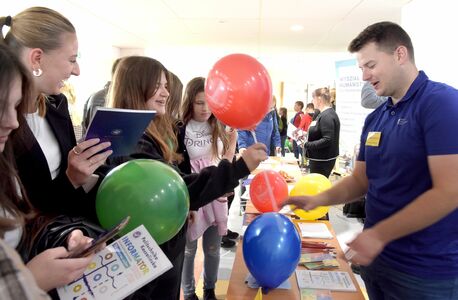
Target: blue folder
x,y
122,127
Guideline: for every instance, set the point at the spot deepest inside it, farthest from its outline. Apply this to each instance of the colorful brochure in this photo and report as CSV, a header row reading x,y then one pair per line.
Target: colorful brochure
x,y
120,269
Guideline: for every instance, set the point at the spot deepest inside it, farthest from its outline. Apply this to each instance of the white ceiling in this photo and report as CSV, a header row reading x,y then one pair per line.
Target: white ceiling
x,y
263,25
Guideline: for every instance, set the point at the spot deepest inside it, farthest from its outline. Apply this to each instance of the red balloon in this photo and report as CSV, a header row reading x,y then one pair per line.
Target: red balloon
x,y
268,189
239,91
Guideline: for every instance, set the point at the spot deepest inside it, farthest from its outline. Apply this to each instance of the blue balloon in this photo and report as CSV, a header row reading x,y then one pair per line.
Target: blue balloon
x,y
271,249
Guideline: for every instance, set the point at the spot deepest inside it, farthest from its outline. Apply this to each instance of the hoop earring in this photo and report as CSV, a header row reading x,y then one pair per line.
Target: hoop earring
x,y
37,73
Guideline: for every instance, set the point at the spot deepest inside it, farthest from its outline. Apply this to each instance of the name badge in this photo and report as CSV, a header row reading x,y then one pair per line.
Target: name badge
x,y
313,123
373,138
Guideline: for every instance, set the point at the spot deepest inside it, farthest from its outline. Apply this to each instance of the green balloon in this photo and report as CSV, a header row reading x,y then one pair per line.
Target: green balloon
x,y
150,192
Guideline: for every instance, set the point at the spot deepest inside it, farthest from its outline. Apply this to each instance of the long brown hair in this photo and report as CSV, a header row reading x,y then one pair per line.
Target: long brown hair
x,y
195,86
12,195
176,93
36,27
133,84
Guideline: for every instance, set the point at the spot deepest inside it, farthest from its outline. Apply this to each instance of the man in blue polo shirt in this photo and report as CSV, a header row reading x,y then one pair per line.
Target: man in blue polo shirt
x,y
408,166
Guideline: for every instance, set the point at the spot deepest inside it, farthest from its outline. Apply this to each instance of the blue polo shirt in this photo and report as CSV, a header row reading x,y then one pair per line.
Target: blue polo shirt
x,y
424,123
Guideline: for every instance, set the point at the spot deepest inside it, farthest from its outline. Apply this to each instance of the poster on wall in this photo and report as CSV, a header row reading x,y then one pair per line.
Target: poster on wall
x,y
348,104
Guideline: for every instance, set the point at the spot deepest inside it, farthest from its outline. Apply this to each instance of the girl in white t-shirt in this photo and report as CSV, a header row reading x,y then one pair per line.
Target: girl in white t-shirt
x,y
206,142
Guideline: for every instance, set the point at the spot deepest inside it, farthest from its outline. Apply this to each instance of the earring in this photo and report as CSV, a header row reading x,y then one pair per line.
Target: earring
x,y
37,72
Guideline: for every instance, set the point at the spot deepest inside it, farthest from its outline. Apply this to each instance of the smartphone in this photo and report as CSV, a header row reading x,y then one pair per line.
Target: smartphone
x,y
104,237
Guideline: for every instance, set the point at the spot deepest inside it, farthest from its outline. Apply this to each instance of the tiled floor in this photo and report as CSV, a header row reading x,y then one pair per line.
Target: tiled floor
x,y
345,229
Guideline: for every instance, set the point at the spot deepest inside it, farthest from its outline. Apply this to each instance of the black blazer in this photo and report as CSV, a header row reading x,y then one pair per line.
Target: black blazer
x,y
323,137
49,196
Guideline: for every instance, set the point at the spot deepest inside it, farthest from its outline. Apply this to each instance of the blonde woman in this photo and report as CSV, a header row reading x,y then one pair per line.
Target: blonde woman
x,y
62,178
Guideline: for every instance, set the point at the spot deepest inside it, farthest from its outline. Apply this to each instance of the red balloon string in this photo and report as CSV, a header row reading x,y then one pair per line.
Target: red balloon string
x,y
269,187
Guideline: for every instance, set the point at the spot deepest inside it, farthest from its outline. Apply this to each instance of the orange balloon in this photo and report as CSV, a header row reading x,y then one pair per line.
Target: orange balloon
x,y
239,91
268,189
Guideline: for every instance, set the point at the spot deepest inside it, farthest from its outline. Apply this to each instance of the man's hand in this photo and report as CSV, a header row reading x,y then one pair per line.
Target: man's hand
x,y
365,247
303,202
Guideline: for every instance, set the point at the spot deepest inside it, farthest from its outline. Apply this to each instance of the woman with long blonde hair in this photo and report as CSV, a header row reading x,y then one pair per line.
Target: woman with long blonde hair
x,y
63,172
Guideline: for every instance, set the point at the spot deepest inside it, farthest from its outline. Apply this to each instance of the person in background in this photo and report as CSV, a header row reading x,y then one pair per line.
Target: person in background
x,y
322,146
266,132
159,142
408,166
311,112
296,121
301,133
283,128
273,149
206,142
62,176
98,99
176,93
369,98
51,268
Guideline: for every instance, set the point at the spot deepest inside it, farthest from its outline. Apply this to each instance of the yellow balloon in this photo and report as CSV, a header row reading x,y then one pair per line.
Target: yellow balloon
x,y
310,185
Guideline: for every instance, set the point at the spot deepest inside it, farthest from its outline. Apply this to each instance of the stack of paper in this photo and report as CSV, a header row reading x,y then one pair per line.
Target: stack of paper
x,y
315,230
325,280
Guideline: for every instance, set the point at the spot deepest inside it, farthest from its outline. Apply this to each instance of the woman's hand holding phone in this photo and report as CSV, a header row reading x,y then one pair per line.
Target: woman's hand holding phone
x,y
99,243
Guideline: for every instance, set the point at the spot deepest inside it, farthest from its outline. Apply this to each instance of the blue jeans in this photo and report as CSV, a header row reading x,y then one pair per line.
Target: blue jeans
x,y
385,283
211,243
296,149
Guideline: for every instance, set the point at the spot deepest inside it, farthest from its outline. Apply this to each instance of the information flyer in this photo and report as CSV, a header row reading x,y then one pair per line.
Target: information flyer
x,y
326,280
120,269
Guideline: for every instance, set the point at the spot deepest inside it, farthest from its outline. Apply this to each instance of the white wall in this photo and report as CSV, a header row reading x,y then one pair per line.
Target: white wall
x,y
97,51
296,70
96,48
432,26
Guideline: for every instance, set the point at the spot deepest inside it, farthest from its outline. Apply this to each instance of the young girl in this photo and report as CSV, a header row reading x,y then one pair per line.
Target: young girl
x,y
140,83
206,142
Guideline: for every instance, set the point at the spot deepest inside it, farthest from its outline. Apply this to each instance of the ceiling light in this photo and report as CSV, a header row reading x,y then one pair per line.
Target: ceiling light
x,y
296,27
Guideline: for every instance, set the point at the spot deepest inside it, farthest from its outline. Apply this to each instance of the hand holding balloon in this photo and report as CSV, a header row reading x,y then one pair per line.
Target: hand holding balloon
x,y
254,155
304,202
310,185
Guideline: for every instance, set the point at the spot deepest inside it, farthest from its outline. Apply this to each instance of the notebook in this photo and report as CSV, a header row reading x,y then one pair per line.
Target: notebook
x,y
122,127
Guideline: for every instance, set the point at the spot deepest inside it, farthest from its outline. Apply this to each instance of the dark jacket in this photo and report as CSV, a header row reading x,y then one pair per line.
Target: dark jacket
x,y
98,99
284,128
323,138
56,196
211,183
